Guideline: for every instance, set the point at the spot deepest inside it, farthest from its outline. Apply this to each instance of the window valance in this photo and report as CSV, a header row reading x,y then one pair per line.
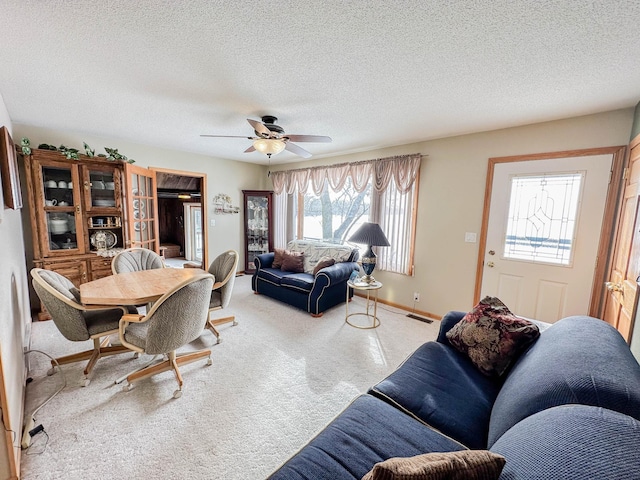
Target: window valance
x,y
402,169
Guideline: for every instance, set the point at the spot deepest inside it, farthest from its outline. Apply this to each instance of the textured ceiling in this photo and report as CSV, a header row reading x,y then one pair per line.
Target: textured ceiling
x,y
369,74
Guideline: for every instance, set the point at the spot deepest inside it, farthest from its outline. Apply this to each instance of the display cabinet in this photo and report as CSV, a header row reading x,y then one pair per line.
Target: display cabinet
x,y
258,225
76,211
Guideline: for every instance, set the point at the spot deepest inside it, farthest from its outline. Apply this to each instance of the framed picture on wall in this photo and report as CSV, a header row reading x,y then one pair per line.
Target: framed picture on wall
x,y
9,170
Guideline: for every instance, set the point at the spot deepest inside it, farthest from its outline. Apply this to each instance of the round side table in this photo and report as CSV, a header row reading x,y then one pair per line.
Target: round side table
x,y
368,287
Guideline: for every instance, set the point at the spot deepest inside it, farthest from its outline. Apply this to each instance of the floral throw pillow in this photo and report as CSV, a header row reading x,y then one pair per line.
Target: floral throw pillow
x,y
491,336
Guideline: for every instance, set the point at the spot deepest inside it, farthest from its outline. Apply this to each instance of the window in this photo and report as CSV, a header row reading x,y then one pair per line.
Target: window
x,y
333,216
328,203
541,224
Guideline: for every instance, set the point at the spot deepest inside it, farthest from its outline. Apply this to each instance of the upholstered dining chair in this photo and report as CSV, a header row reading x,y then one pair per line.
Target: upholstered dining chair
x,y
223,268
135,259
77,322
174,320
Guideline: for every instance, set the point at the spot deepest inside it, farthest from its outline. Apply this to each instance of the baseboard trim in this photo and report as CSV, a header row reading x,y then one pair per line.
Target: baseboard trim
x,y
422,313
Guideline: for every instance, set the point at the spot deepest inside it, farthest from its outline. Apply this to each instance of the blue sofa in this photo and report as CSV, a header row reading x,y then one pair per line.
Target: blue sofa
x,y
568,408
312,293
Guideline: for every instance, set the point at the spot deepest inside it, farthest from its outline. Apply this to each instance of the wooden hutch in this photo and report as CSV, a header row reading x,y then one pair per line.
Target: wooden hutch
x,y
82,210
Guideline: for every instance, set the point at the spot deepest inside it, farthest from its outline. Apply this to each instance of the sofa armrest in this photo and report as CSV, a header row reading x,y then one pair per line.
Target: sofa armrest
x,y
264,260
336,273
447,323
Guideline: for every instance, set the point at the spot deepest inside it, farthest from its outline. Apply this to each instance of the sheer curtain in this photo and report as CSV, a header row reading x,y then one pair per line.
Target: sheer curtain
x,y
394,184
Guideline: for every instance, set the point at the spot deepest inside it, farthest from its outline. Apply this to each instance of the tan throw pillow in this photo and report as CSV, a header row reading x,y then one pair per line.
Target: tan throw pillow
x,y
463,465
491,336
292,262
322,263
278,253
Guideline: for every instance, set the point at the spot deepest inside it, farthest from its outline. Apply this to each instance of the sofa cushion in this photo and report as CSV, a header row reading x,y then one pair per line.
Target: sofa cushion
x,y
571,442
441,387
314,251
577,360
462,465
492,336
292,262
367,432
298,281
324,262
272,275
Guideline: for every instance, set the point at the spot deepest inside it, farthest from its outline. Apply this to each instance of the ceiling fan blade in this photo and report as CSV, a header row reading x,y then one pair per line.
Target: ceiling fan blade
x,y
250,149
259,127
309,138
229,136
293,148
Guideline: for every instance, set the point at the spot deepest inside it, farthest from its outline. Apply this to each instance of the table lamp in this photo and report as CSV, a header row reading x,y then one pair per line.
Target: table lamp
x,y
369,234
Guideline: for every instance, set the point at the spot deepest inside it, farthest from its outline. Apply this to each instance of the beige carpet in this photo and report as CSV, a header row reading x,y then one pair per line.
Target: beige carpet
x,y
277,379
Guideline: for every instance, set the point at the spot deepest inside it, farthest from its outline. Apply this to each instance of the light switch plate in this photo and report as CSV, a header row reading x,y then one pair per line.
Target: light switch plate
x,y
470,237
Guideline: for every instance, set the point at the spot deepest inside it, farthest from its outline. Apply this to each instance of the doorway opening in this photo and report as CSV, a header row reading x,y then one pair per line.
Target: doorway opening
x,y
182,217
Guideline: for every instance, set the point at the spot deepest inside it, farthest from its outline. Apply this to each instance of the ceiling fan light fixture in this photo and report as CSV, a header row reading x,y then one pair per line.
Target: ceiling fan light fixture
x,y
269,146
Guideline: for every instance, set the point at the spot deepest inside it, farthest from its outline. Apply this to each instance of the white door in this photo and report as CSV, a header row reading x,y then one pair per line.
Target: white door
x,y
193,231
543,231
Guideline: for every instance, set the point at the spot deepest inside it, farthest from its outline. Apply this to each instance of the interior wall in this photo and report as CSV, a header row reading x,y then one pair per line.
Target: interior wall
x,y
223,176
15,318
451,196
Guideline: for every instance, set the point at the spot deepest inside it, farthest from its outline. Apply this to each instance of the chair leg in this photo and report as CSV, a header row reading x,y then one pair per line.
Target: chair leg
x,y
211,325
221,321
101,348
172,363
214,330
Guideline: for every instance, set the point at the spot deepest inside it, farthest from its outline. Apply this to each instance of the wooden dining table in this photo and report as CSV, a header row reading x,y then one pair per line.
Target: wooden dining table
x,y
135,288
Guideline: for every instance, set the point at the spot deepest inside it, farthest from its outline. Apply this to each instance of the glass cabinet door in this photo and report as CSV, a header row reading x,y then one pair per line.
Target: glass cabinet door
x,y
61,208
258,234
141,208
102,187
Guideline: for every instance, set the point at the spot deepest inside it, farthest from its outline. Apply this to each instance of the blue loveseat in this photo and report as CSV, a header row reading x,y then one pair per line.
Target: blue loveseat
x,y
568,408
313,293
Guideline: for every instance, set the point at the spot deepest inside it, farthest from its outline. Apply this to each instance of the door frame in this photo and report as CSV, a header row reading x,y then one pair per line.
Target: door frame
x,y
203,201
604,256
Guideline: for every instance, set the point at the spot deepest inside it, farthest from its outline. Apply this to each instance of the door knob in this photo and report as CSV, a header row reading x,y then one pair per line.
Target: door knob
x,y
614,287
490,264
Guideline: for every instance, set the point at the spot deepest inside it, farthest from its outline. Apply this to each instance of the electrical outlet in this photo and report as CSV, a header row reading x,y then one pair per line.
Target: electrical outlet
x,y
416,297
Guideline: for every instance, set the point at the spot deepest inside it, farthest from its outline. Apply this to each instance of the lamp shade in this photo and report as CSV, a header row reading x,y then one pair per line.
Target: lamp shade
x,y
269,146
370,234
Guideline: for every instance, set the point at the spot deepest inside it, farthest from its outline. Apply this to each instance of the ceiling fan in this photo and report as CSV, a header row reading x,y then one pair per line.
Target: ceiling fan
x,y
271,139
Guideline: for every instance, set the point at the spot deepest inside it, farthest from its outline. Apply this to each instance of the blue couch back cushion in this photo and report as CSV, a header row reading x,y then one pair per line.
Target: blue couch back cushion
x,y
578,360
442,388
367,432
571,442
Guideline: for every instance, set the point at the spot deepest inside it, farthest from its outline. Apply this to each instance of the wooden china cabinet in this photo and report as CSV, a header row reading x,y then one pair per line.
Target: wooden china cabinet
x,y
258,225
79,213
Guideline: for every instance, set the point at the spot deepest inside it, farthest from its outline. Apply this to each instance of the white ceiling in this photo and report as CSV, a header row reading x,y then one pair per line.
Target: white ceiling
x,y
369,74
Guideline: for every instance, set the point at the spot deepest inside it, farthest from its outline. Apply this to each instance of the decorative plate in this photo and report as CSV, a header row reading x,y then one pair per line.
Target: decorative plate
x,y
108,236
137,226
